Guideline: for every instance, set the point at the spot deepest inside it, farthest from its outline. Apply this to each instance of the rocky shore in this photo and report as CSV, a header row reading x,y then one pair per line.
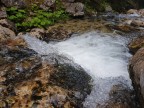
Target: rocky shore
x,y
29,81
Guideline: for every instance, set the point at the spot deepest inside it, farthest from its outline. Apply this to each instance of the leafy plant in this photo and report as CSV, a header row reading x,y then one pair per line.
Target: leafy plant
x,y
25,19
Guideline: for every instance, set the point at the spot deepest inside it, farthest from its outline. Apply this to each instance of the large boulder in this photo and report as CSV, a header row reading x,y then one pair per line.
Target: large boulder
x,y
136,71
27,80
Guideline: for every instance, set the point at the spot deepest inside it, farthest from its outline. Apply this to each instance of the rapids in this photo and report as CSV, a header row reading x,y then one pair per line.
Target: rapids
x,y
103,56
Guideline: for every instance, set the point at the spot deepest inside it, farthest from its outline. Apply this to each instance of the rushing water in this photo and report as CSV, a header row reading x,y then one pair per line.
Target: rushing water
x,y
103,56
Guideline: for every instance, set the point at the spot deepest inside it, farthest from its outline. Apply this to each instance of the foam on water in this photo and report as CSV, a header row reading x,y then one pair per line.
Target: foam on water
x,y
103,56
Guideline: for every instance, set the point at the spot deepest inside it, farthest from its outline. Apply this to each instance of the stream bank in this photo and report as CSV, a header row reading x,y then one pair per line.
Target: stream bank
x,y
33,77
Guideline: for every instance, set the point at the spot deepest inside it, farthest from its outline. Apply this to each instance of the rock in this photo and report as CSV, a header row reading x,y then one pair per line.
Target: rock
x,y
136,71
124,27
136,44
27,80
75,9
11,3
48,4
132,11
3,14
139,23
38,33
62,31
6,33
56,33
108,8
8,24
141,12
69,1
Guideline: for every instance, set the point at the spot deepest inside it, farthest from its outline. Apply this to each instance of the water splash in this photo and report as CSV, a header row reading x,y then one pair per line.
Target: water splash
x,y
103,56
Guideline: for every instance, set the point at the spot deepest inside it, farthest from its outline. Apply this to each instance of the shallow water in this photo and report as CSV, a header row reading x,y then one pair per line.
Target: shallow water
x,y
104,56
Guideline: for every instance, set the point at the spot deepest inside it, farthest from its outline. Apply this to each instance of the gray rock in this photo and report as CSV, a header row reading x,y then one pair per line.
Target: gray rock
x,y
48,4
3,14
18,3
6,33
75,9
8,24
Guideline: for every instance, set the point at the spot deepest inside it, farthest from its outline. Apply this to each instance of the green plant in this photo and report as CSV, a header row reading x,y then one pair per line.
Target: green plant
x,y
25,19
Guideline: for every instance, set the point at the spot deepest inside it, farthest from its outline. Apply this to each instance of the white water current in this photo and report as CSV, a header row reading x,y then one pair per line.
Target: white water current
x,y
103,56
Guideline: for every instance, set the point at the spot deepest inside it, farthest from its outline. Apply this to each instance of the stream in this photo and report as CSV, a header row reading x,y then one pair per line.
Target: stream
x,y
104,56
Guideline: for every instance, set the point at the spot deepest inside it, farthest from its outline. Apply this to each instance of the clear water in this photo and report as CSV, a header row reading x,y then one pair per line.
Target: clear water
x,y
103,56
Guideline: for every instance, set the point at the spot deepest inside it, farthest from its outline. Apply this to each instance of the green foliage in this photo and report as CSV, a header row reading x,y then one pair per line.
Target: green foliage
x,y
25,19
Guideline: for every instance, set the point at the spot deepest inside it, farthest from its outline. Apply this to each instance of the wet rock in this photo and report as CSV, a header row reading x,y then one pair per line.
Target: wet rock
x,y
132,11
6,33
139,23
11,3
56,33
75,9
38,33
27,80
136,44
8,24
62,31
48,4
124,27
136,71
120,97
141,12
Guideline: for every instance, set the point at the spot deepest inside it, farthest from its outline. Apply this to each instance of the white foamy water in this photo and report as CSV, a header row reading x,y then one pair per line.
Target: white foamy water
x,y
103,56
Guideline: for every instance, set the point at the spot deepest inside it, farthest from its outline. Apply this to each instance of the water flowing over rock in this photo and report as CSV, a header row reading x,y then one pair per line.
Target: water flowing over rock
x,y
28,79
111,84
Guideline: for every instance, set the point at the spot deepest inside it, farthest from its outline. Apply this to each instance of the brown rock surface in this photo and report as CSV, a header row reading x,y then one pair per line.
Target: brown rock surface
x,y
120,97
136,44
75,9
10,3
62,31
38,33
6,33
8,24
139,23
48,4
28,81
136,70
